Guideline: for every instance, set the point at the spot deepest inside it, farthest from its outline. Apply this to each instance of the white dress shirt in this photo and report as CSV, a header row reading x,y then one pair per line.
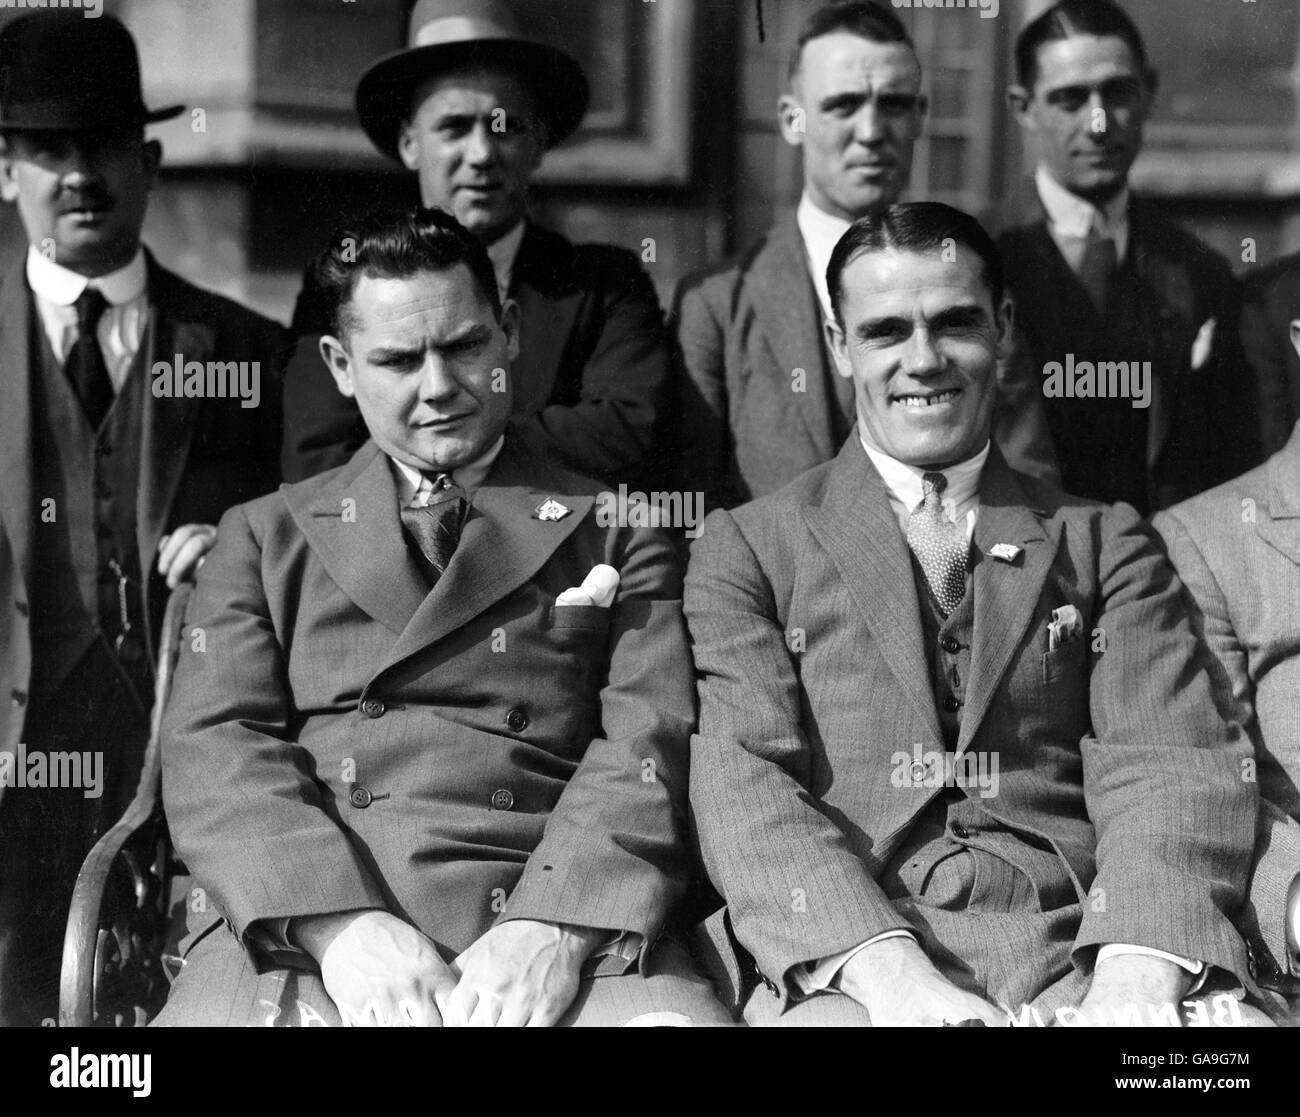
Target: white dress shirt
x,y
502,253
1071,218
821,232
960,499
414,488
122,327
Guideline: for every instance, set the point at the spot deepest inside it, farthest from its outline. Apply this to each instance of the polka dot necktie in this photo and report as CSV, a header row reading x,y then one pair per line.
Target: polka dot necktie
x,y
435,529
940,546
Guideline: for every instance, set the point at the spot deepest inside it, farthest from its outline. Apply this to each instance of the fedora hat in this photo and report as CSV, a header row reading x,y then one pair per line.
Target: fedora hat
x,y
447,33
62,72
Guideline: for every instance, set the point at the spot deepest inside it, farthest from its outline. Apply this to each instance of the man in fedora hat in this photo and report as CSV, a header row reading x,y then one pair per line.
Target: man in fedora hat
x,y
113,477
471,107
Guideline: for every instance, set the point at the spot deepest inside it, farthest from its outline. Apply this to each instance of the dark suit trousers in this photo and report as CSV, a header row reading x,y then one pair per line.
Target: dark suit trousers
x,y
45,833
218,986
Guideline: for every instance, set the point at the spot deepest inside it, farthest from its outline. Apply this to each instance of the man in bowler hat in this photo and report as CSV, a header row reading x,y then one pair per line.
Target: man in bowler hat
x,y
471,107
112,486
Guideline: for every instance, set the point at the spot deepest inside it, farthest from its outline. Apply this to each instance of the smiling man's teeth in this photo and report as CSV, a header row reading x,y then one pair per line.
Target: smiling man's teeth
x,y
927,401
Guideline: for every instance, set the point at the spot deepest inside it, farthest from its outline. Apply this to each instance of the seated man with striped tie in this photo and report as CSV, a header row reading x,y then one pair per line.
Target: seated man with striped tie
x,y
428,764
958,759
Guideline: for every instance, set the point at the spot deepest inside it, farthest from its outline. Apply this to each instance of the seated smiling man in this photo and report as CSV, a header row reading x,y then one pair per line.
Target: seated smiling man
x,y
426,754
958,757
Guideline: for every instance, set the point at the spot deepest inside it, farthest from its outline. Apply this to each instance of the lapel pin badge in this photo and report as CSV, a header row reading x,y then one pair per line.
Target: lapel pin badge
x,y
550,510
1006,552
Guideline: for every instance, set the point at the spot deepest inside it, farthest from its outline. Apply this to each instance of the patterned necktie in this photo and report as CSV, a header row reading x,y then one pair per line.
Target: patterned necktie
x,y
435,528
940,546
85,366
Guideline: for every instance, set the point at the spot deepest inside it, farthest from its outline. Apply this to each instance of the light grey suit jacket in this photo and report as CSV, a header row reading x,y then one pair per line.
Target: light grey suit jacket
x,y
1117,777
1237,548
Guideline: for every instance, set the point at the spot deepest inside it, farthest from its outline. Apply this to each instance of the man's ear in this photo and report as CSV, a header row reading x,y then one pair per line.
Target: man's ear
x,y
408,147
793,119
1005,319
336,358
839,348
1295,335
1018,97
510,326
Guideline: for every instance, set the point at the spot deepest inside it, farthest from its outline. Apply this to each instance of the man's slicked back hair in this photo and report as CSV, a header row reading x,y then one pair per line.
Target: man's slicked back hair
x,y
1068,18
866,20
398,245
921,227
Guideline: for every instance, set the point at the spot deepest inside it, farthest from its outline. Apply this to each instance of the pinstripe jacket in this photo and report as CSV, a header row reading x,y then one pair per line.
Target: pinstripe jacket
x,y
1117,777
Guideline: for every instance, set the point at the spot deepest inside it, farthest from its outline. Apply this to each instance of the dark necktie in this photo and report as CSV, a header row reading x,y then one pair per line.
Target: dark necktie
x,y
85,366
1096,259
435,528
940,546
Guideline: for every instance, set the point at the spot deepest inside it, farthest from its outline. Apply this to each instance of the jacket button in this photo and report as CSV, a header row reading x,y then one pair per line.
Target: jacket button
x,y
19,697
373,708
502,800
919,769
517,720
960,832
951,703
360,797
950,644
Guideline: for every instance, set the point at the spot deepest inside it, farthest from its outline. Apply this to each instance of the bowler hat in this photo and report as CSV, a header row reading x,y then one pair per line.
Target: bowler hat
x,y
63,72
447,33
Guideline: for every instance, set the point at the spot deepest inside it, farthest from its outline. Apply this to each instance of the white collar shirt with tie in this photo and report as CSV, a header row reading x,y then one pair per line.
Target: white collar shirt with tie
x,y
414,487
1071,219
122,327
961,498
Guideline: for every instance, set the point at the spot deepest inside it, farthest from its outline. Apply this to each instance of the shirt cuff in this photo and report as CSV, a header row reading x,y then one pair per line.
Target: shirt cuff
x,y
1293,925
810,978
1193,967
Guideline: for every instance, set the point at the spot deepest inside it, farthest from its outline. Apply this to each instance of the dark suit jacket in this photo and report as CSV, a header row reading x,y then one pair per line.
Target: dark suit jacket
x,y
589,382
1116,776
347,739
1201,422
198,456
1237,548
743,329
1270,303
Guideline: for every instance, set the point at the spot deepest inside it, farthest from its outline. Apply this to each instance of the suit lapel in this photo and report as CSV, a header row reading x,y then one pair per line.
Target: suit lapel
x,y
354,526
1006,593
1281,528
786,304
546,318
167,425
15,415
503,546
857,527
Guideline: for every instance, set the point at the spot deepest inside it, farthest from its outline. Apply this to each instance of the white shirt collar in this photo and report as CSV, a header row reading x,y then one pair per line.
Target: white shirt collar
x,y
821,232
414,487
502,253
906,490
1068,215
62,287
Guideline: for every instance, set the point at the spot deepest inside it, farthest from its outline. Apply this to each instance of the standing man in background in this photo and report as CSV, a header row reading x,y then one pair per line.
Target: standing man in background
x,y
471,108
764,404
113,482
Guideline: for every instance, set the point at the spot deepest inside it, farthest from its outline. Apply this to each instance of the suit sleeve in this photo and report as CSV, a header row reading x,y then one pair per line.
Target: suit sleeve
x,y
1264,344
322,427
610,428
1277,861
614,853
246,814
706,428
795,890
1165,777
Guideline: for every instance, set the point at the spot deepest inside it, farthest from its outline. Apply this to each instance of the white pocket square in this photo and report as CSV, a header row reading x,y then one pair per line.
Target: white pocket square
x,y
598,588
1203,344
